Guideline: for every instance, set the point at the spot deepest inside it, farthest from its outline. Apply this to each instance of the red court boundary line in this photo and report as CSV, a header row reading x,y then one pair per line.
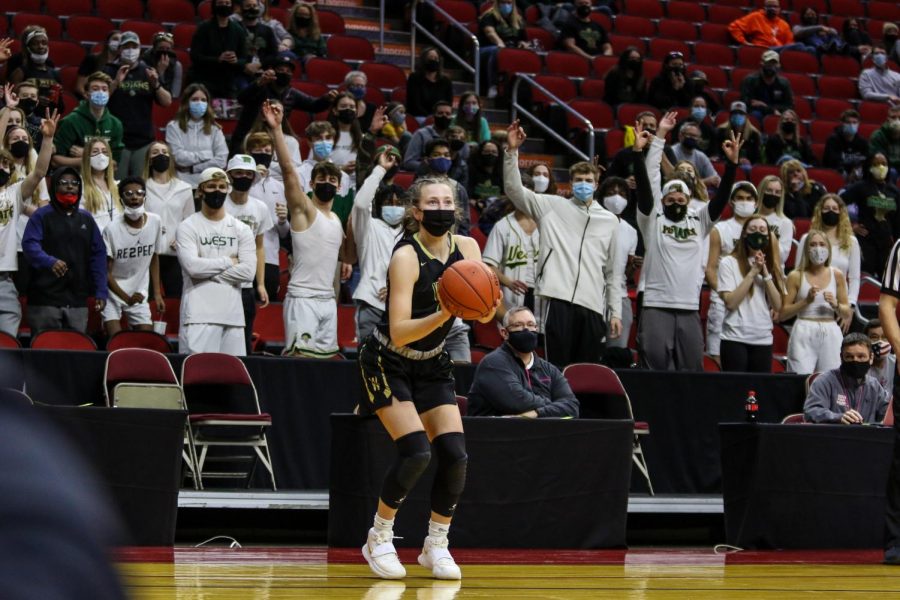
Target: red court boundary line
x,y
637,556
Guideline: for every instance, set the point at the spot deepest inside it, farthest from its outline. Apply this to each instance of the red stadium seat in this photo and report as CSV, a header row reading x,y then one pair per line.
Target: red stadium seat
x,y
144,29
831,179
120,9
163,114
659,48
326,70
347,327
171,11
818,151
331,22
598,113
602,64
22,20
593,88
461,10
737,76
716,76
567,64
638,26
799,62
837,87
544,37
831,108
32,6
183,34
514,60
821,130
801,84
614,140
350,47
685,11
621,42
749,57
759,171
873,112
9,342
68,76
602,19
715,33
648,9
847,7
717,13
652,69
770,125
677,30
84,28
561,87
384,75
883,11
840,66
204,10
706,53
820,6
68,7
479,237
627,113
66,53
486,335
62,339
867,129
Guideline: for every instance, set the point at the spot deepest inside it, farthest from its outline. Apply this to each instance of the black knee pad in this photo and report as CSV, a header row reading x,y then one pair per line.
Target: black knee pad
x,y
450,478
413,456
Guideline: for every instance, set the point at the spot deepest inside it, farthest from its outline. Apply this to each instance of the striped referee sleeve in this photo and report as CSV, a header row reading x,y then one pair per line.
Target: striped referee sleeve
x,y
891,280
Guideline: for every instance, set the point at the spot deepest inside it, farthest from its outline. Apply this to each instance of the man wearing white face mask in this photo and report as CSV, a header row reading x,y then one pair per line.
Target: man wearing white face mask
x,y
613,191
134,89
133,241
722,240
511,252
576,268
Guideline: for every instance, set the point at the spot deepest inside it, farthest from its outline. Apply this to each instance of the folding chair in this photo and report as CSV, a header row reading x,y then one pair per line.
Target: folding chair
x,y
149,340
793,419
62,339
142,378
8,341
598,380
224,411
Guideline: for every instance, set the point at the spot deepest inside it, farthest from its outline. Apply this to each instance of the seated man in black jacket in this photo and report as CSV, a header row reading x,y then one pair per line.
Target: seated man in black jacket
x,y
514,381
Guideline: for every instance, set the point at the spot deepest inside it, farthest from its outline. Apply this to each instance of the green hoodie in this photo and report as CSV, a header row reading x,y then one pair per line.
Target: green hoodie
x,y
80,125
881,141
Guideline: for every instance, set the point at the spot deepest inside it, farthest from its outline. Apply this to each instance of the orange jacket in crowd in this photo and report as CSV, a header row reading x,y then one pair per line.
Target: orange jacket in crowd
x,y
755,29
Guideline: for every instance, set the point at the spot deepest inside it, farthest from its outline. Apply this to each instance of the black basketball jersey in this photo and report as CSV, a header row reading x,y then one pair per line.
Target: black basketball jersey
x,y
424,296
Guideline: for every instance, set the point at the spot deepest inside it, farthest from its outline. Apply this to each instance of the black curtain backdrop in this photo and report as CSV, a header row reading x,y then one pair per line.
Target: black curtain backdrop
x,y
805,486
526,479
683,409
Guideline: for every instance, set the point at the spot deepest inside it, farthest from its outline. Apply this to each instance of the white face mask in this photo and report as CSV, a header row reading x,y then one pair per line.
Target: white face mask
x,y
818,255
615,203
392,215
39,59
99,162
130,55
134,212
744,208
541,183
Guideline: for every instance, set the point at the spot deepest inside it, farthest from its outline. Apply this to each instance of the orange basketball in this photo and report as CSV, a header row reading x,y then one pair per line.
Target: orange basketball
x,y
469,289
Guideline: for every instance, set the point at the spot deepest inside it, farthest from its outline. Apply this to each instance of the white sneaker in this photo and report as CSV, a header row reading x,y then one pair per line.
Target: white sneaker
x,y
381,555
439,590
436,557
386,590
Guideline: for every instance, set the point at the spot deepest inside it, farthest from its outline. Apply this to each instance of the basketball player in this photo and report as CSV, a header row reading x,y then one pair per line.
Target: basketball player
x,y
887,312
310,309
409,379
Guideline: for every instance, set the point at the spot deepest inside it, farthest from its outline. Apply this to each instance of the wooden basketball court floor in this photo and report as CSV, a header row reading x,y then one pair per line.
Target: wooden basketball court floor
x,y
646,574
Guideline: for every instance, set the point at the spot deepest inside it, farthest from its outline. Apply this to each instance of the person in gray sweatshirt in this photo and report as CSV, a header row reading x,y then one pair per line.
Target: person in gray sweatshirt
x,y
848,395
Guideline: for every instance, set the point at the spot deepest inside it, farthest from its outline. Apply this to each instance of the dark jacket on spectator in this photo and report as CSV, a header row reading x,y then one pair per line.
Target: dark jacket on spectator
x,y
502,386
842,154
779,95
422,94
777,146
208,43
877,210
620,89
798,204
51,235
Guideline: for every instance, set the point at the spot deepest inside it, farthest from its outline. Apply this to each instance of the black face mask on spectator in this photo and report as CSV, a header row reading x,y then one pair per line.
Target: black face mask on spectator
x,y
830,218
325,192
302,21
242,184
583,11
789,127
214,200
769,71
28,105
430,66
442,122
771,200
346,115
19,149
456,144
223,10
251,14
523,341
262,158
160,163
854,369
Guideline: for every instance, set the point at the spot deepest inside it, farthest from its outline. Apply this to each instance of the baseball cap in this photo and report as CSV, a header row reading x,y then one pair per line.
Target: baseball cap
x,y
129,36
738,106
770,55
210,174
241,162
280,61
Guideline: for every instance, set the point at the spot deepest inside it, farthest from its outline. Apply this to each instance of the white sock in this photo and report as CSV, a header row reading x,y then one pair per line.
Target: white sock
x,y
383,525
438,530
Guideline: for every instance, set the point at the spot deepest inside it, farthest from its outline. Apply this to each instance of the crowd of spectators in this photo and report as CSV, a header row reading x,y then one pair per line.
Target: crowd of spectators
x,y
668,185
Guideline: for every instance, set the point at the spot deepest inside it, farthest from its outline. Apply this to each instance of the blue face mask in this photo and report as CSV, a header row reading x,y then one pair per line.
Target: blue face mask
x,y
323,148
358,91
880,60
583,191
506,9
392,215
99,98
698,113
851,128
197,108
738,120
440,164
